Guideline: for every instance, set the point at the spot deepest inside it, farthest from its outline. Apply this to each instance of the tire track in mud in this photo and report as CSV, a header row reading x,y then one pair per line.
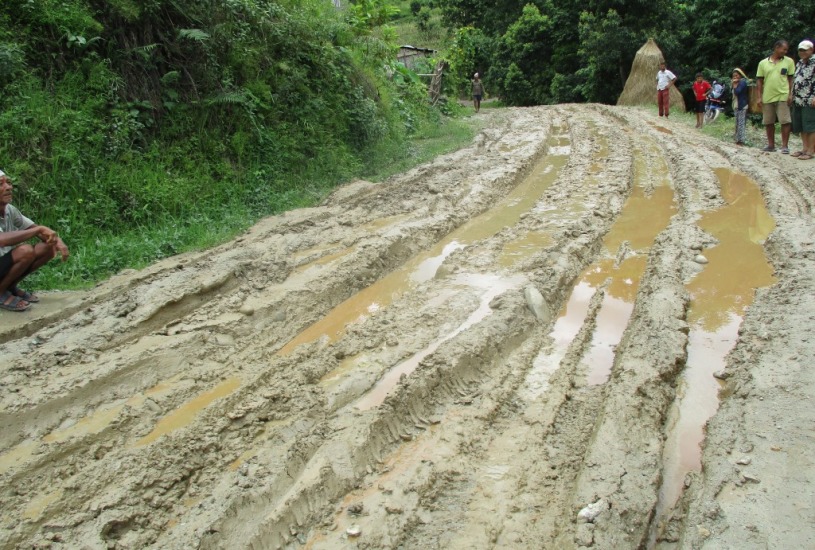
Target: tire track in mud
x,y
465,197
464,356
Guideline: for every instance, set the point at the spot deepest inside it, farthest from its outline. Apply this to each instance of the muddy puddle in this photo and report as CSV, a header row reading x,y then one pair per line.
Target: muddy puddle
x,y
185,414
423,267
645,214
489,286
126,426
720,295
91,424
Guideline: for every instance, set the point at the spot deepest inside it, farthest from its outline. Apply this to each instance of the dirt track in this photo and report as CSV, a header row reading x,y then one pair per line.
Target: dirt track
x,y
510,347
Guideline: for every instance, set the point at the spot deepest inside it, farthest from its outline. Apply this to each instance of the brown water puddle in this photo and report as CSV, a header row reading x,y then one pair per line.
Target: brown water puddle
x,y
571,318
102,417
384,222
423,267
490,285
185,414
524,247
323,260
91,424
303,254
38,504
720,295
18,455
643,217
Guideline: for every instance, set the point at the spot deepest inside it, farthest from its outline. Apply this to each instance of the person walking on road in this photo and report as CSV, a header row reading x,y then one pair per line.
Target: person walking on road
x,y
803,100
478,92
19,259
774,82
665,80
741,101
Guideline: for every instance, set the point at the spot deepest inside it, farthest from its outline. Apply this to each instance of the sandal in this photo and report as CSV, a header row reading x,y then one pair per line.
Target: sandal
x,y
10,302
798,154
805,156
25,295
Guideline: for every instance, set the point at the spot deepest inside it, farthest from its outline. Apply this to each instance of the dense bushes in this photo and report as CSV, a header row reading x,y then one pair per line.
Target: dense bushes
x,y
137,121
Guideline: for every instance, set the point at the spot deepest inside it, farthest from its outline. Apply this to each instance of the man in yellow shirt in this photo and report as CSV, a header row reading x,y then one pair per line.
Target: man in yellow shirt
x,y
774,78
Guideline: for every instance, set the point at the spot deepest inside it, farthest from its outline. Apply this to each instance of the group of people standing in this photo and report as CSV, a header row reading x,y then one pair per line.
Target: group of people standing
x,y
786,96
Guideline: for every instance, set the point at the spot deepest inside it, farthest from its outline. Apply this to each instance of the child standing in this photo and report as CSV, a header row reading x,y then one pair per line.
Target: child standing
x,y
701,87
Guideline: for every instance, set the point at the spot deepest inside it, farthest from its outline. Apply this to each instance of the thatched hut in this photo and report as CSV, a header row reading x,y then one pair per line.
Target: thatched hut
x,y
641,86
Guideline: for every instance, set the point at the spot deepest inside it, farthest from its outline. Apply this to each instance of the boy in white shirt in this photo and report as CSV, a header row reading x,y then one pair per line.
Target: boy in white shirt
x,y
665,80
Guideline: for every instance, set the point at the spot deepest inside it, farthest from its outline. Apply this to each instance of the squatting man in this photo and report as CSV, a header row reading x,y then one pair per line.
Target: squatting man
x,y
18,258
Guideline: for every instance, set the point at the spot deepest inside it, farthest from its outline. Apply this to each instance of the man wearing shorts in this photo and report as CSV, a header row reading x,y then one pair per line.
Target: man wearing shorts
x,y
18,258
701,87
803,100
774,78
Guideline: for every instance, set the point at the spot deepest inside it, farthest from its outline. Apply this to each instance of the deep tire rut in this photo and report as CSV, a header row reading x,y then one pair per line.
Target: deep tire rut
x,y
465,356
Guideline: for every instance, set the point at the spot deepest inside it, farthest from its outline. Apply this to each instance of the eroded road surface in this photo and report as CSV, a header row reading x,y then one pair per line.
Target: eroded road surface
x,y
513,346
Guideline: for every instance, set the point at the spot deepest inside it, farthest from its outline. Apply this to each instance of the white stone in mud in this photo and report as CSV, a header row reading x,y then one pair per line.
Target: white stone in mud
x,y
590,512
700,259
537,305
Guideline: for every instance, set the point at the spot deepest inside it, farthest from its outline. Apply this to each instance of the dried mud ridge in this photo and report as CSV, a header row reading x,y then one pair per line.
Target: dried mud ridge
x,y
484,352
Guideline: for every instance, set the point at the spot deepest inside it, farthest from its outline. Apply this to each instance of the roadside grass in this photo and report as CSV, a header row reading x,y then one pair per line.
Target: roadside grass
x,y
430,141
434,36
105,253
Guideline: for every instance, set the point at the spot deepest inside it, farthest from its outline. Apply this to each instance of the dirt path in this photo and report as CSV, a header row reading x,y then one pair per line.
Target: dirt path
x,y
510,347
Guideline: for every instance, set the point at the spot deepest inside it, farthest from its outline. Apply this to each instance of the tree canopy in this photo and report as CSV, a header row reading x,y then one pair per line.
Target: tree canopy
x,y
549,52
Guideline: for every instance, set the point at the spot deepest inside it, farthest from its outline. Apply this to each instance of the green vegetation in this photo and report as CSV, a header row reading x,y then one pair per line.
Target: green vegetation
x,y
541,51
419,23
142,129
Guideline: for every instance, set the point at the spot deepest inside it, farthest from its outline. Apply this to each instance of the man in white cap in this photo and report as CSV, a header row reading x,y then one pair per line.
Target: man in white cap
x,y
774,79
803,101
18,259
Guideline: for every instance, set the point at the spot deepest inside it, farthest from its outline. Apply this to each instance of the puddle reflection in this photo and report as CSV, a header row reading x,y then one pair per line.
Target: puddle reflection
x,y
720,296
423,267
491,285
185,414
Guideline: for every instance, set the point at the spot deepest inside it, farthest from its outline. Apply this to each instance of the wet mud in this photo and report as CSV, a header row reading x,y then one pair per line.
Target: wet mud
x,y
584,330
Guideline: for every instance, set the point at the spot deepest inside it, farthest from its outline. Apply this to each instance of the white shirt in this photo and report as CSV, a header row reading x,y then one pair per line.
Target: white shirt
x,y
664,79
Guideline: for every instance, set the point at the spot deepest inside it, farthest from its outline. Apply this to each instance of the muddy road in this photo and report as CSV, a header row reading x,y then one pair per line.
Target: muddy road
x,y
513,346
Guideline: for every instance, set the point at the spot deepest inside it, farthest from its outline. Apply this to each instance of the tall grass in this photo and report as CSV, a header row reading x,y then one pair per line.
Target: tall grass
x,y
96,255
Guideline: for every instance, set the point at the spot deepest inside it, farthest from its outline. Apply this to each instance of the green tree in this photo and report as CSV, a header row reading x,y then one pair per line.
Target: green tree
x,y
521,70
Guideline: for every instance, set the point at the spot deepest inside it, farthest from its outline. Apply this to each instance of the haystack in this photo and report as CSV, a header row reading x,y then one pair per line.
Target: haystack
x,y
641,86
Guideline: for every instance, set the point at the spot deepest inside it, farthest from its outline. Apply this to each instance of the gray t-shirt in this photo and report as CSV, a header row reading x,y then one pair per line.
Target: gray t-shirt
x,y
13,221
